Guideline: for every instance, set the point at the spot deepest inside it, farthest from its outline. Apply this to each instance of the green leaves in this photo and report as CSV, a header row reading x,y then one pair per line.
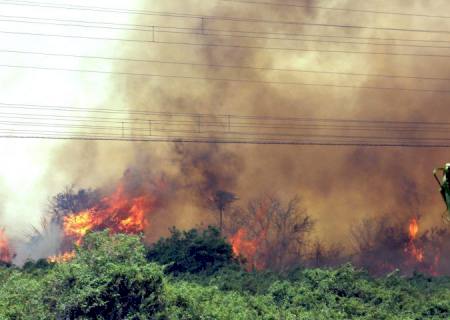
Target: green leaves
x,y
192,252
111,278
108,279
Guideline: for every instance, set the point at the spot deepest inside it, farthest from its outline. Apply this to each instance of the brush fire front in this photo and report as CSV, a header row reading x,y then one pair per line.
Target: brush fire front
x,y
267,234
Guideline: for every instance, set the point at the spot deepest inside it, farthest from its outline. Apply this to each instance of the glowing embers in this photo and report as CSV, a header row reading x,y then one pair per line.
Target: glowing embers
x,y
5,251
120,213
65,257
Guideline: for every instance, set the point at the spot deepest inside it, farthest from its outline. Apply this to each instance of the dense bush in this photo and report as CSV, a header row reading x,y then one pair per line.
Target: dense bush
x,y
21,296
110,278
192,251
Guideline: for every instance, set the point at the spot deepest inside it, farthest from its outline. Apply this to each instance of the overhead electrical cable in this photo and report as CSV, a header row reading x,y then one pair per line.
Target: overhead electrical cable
x,y
211,17
103,112
223,133
213,33
207,128
250,81
204,30
350,9
221,45
208,140
142,124
213,65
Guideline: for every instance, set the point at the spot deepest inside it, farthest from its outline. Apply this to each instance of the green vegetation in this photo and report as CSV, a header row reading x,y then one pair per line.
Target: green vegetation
x,y
192,252
193,275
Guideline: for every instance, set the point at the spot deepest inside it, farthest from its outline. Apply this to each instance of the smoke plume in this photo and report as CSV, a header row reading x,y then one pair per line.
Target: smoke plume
x,y
340,185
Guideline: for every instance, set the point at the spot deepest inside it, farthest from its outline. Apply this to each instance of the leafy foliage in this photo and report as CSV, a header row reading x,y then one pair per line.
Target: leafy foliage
x,y
111,278
192,251
21,296
108,279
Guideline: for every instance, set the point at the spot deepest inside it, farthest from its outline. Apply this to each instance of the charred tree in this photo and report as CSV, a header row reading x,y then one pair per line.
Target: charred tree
x,y
222,199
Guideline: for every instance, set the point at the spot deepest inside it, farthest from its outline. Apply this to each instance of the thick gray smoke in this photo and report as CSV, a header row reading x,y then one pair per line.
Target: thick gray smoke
x,y
339,185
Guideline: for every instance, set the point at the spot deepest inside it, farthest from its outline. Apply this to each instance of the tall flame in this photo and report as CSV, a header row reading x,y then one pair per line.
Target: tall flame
x,y
417,253
5,251
413,228
252,245
243,246
118,212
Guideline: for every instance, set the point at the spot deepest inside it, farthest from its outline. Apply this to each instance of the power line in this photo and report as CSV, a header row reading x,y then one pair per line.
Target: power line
x,y
206,34
97,122
216,131
213,65
210,17
195,133
336,9
19,135
293,83
149,28
240,134
142,112
211,32
217,45
220,132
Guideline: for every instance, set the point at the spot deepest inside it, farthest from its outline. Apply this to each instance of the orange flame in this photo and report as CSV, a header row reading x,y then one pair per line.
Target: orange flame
x,y
65,257
118,212
416,252
413,228
252,248
248,248
5,252
241,245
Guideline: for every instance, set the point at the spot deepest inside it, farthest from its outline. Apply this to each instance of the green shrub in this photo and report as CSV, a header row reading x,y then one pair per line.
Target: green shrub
x,y
108,279
21,297
192,251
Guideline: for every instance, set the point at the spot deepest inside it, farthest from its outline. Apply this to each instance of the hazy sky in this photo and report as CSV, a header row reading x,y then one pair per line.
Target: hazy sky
x,y
24,163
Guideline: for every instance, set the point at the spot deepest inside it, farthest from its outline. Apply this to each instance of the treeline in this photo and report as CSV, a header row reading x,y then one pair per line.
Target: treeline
x,y
194,275
280,235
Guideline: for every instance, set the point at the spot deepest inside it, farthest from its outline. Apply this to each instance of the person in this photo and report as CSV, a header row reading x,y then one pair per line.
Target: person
x,y
444,187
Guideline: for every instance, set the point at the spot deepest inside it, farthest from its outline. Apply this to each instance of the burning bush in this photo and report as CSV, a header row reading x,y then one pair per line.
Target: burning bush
x,y
127,209
383,246
119,212
270,235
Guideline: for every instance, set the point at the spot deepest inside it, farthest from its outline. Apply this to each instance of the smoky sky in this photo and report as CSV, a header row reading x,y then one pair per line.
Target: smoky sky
x,y
340,185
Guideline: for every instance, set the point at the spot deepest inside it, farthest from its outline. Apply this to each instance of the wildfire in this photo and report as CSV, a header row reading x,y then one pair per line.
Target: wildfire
x,y
252,246
65,257
5,252
416,252
413,228
241,245
118,213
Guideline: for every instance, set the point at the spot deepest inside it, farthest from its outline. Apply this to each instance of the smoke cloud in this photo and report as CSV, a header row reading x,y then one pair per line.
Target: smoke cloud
x,y
340,185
